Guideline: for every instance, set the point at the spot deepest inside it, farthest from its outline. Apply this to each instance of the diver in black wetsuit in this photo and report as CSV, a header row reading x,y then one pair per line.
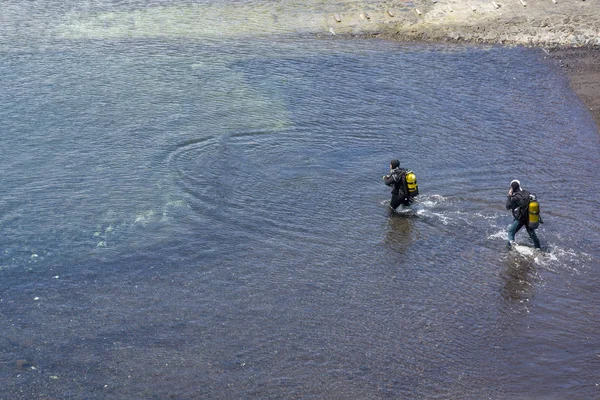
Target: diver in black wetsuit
x,y
517,201
397,180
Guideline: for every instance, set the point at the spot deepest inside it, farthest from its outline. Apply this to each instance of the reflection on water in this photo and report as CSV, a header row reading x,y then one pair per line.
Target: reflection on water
x,y
520,278
401,232
195,218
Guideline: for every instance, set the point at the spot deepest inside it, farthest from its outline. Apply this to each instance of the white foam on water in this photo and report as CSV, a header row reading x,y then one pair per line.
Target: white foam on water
x,y
555,259
487,216
432,200
405,211
524,250
440,207
425,205
501,234
441,216
552,258
567,259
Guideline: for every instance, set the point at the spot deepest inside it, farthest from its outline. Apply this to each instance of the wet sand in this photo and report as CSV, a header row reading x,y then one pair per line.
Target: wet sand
x,y
582,65
568,30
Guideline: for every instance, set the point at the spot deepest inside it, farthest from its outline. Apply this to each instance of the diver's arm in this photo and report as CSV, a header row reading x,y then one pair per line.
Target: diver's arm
x,y
509,203
389,180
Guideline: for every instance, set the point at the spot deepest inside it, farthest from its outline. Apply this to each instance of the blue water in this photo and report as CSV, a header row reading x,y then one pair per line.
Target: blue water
x,y
192,218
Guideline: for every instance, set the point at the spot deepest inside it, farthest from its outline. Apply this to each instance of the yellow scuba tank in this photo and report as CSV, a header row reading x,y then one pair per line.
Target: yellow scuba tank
x,y
533,215
411,182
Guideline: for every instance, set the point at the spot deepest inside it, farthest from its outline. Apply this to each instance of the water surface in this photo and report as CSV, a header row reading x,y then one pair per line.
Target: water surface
x,y
196,217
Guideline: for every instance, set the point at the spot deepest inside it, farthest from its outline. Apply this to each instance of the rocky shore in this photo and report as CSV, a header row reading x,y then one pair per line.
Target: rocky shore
x,y
568,30
548,23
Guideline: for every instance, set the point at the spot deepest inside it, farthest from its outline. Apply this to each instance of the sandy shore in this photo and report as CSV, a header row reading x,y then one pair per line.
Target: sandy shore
x,y
569,30
527,22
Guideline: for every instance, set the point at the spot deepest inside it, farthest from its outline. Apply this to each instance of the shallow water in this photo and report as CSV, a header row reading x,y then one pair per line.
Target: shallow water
x,y
205,218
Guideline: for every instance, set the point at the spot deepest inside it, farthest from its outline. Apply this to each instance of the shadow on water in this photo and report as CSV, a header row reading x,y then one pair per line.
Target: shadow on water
x,y
520,277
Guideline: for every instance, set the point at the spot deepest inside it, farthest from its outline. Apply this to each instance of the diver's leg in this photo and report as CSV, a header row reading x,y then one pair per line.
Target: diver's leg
x,y
513,229
395,202
533,236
